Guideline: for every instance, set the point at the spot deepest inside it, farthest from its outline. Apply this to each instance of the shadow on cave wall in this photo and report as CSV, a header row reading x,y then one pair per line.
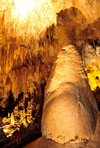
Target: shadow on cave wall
x,y
70,27
96,94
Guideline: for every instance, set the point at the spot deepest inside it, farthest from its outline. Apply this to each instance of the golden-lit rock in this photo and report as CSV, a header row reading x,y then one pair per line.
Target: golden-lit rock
x,y
46,143
24,37
70,110
91,61
29,16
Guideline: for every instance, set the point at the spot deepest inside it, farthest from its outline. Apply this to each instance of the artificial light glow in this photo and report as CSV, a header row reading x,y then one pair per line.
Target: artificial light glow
x,y
17,118
9,130
22,7
31,17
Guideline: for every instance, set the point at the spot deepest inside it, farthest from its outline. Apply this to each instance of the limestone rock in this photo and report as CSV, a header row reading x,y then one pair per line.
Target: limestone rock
x,y
43,11
70,110
46,143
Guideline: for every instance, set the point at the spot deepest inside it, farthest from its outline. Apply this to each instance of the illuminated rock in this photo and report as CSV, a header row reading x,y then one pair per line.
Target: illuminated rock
x,y
91,61
23,35
70,110
29,16
45,143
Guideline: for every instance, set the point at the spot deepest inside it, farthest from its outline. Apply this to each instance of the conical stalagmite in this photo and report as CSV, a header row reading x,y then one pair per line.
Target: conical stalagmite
x,y
70,110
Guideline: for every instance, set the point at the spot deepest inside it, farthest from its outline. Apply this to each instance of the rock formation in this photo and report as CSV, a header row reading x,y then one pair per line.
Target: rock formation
x,y
18,14
32,32
70,110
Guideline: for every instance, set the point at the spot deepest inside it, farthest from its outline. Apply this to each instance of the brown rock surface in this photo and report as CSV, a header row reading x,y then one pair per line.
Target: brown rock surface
x,y
45,143
36,13
70,110
24,37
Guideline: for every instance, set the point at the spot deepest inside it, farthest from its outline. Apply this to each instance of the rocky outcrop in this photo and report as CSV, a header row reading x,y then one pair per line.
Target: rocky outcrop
x,y
69,110
46,143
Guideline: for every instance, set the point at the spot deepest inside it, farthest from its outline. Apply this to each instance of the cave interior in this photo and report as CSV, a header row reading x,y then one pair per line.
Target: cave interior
x,y
28,49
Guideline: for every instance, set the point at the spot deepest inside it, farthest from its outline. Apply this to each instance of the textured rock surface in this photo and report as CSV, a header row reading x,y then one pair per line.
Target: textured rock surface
x,y
24,37
36,13
22,91
70,110
45,143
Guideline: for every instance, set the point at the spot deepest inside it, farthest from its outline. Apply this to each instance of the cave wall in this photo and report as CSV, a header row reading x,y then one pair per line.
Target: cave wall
x,y
22,64
30,38
23,29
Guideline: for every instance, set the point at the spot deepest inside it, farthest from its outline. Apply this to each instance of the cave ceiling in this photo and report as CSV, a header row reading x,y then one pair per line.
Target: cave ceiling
x,y
31,35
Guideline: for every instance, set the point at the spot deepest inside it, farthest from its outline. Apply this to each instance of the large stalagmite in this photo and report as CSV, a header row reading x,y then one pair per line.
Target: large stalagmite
x,y
70,110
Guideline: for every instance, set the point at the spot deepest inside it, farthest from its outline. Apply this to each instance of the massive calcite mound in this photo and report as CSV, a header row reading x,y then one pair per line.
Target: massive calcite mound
x,y
70,110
